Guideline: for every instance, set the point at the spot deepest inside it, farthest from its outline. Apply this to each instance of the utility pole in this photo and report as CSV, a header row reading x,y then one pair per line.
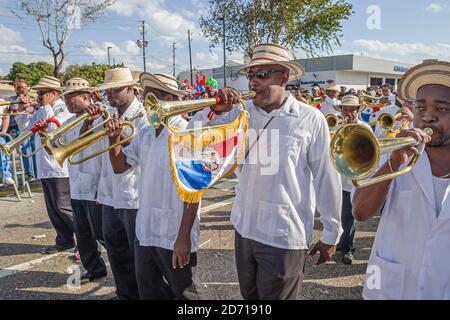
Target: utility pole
x,y
224,54
143,43
173,67
190,57
109,58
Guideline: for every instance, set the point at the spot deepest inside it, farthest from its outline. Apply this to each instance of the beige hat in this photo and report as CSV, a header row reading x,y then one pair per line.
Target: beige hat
x,y
160,81
116,78
349,100
273,54
428,72
332,87
77,85
48,82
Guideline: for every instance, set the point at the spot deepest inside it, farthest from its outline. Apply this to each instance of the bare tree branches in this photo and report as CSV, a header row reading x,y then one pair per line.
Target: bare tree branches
x,y
57,19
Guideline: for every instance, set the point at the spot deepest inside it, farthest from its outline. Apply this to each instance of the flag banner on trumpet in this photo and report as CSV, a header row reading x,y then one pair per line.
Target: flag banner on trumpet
x,y
371,113
199,158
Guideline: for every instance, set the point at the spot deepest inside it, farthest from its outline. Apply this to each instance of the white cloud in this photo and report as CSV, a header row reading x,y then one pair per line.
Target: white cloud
x,y
407,52
164,25
208,60
434,7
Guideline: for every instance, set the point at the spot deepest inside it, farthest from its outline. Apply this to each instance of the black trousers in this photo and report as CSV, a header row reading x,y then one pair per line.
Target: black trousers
x,y
119,234
266,272
157,280
348,224
87,220
59,209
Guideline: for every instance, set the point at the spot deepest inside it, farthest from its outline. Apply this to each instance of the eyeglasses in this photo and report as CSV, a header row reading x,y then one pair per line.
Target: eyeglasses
x,y
41,93
115,91
261,74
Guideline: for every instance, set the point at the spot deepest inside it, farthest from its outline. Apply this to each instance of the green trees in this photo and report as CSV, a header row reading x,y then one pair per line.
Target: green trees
x,y
94,73
312,25
31,72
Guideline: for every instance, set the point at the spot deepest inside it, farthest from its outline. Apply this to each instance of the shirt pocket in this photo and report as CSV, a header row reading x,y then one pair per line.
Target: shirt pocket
x,y
400,206
273,219
384,279
162,224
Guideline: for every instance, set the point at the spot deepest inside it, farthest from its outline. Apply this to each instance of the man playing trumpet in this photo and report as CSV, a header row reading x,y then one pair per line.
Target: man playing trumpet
x,y
409,258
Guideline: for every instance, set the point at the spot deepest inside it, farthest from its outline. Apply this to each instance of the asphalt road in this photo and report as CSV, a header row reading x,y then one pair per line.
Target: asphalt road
x,y
27,274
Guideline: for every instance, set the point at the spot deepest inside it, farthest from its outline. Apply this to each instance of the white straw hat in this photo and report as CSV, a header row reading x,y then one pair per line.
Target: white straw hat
x,y
116,78
160,81
48,82
267,54
77,85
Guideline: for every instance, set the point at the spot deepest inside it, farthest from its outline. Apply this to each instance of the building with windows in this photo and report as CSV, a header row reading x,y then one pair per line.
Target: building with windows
x,y
352,71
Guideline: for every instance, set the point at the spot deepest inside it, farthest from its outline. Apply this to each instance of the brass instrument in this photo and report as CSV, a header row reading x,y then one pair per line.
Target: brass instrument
x,y
355,153
160,112
70,150
386,121
9,103
9,147
333,121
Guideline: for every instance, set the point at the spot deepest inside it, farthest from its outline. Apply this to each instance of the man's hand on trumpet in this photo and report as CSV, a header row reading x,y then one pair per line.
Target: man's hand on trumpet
x,y
401,156
229,97
95,112
406,114
42,124
116,129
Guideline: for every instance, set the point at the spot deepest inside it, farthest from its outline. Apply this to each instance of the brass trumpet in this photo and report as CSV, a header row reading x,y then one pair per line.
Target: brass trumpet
x,y
9,103
70,150
333,121
160,112
9,147
355,153
386,121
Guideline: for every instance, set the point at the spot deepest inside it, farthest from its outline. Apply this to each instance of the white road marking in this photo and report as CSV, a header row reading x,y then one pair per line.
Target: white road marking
x,y
217,205
28,265
221,283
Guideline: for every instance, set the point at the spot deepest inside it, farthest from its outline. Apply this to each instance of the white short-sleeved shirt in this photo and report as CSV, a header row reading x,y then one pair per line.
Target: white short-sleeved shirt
x,y
327,107
160,208
120,191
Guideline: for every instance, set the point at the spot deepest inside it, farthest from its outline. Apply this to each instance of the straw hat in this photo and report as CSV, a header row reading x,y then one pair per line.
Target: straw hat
x,y
332,87
48,82
116,78
266,54
160,81
428,72
351,101
77,85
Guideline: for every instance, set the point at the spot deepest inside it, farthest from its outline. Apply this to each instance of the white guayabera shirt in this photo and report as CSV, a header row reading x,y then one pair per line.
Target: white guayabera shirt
x,y
46,165
288,174
160,208
120,191
327,106
409,258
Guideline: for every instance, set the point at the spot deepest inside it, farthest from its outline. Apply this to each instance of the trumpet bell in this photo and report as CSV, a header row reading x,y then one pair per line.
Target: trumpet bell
x,y
332,121
354,151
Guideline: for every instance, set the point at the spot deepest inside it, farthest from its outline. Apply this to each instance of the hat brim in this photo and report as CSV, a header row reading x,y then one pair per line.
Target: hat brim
x,y
338,107
39,87
295,70
118,84
149,80
84,90
427,73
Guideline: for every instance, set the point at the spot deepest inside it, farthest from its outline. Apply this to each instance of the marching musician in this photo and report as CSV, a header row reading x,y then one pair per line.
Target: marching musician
x,y
84,178
167,230
273,212
409,258
5,168
54,178
118,193
350,109
28,105
331,100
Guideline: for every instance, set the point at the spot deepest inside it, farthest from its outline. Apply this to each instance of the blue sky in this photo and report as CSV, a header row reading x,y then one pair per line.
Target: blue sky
x,y
410,31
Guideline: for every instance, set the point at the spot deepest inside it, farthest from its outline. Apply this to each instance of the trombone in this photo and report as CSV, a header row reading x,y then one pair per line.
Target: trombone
x,y
355,153
160,112
13,144
73,148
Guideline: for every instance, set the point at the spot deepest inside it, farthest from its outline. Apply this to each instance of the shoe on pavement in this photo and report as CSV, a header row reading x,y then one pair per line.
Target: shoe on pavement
x,y
347,258
89,277
54,249
9,181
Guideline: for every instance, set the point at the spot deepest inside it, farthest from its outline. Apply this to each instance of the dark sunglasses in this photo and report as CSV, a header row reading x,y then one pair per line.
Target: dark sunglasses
x,y
41,93
261,74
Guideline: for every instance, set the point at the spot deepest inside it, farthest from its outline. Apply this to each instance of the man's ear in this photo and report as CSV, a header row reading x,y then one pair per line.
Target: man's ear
x,y
285,78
